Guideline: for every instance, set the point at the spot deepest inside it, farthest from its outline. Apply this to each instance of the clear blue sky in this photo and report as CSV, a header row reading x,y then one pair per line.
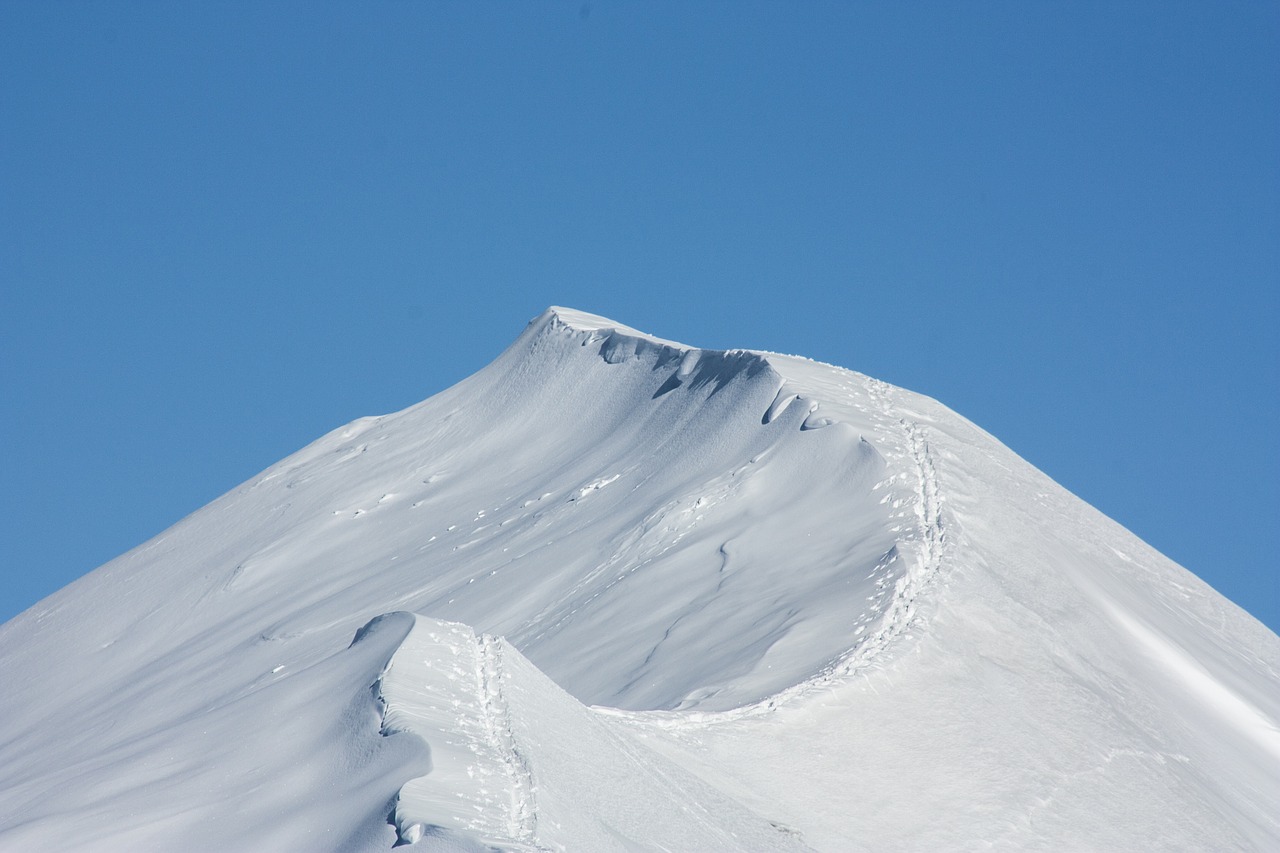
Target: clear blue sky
x,y
228,228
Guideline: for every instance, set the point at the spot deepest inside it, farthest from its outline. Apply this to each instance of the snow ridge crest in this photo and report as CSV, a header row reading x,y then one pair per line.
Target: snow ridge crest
x,y
617,343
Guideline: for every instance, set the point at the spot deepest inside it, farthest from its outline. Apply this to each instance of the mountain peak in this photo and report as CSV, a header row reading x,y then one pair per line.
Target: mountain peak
x,y
573,320
584,321
596,327
616,570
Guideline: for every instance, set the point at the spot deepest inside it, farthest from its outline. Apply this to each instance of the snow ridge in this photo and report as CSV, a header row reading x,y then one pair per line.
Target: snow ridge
x,y
518,764
444,686
900,614
929,539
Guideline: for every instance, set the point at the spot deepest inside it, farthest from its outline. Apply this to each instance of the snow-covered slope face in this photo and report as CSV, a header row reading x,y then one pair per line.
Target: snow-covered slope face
x,y
1062,687
823,610
654,525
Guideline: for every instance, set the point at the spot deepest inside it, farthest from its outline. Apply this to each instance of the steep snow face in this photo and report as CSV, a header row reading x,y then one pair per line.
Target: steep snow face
x,y
841,614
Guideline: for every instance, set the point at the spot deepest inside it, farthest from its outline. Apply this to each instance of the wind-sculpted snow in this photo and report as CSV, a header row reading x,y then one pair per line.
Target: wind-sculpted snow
x,y
611,504
812,609
181,753
519,764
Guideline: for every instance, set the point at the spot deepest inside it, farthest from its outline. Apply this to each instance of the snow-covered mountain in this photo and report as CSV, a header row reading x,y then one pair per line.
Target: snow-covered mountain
x,y
616,593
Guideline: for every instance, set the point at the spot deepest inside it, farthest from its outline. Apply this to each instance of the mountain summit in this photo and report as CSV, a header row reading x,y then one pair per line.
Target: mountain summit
x,y
616,593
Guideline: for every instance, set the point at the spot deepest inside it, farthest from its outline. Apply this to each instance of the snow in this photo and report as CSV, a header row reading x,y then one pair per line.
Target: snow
x,y
519,763
614,592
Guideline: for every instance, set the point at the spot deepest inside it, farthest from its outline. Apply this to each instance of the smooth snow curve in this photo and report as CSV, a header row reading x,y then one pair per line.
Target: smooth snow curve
x,y
813,609
520,764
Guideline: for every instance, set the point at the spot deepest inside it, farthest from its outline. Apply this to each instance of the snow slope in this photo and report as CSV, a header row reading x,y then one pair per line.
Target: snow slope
x,y
517,762
811,609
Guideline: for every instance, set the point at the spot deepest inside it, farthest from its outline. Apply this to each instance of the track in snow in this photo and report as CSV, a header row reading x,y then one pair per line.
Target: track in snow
x,y
445,685
522,818
518,764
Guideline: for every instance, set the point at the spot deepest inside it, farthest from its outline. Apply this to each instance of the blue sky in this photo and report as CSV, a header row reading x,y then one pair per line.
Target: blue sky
x,y
228,228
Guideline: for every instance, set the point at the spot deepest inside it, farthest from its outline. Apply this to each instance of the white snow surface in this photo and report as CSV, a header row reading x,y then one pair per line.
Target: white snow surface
x,y
616,593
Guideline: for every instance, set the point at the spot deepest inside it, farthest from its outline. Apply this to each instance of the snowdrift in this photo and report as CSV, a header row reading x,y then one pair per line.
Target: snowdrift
x,y
613,592
518,763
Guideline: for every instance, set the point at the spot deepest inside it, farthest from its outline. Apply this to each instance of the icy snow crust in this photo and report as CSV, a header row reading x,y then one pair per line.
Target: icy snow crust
x,y
813,610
